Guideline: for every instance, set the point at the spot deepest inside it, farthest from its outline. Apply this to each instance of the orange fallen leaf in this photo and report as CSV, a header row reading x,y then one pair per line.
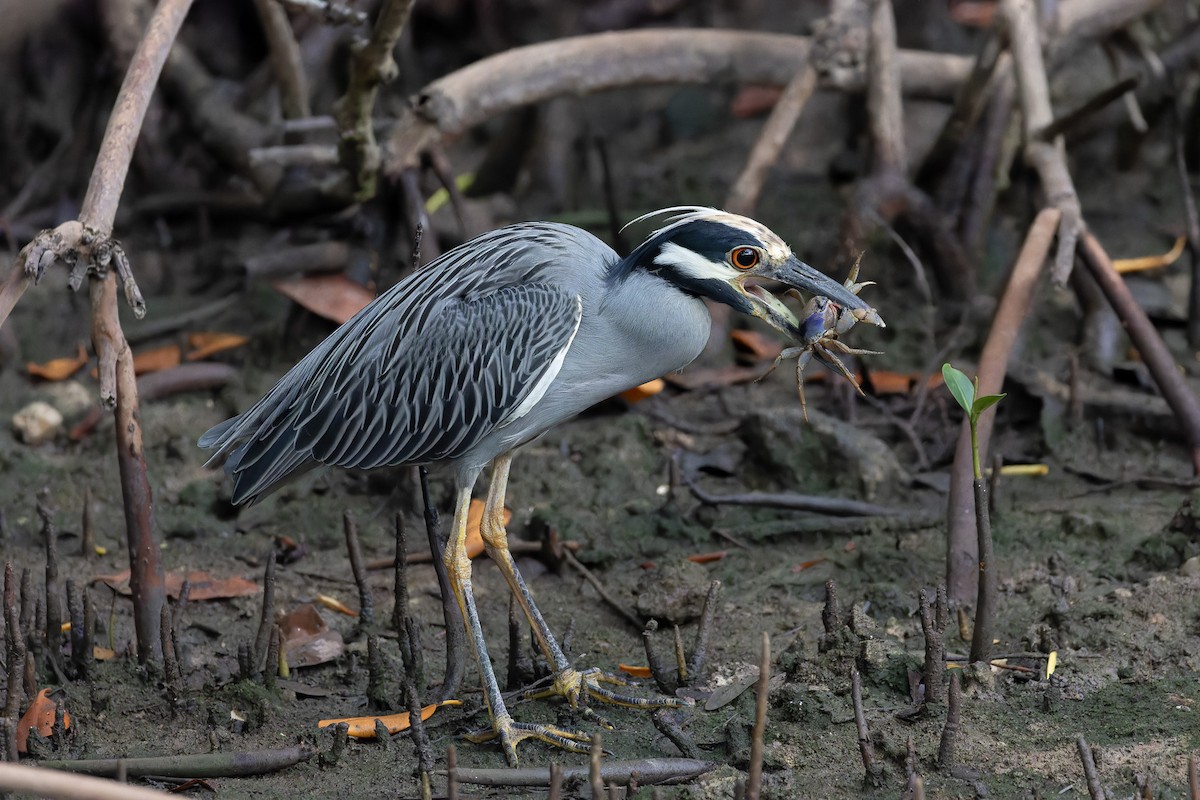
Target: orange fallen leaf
x,y
204,345
333,604
101,653
202,585
58,369
635,671
307,639
156,359
40,717
1168,258
639,393
332,296
758,345
803,565
707,558
364,727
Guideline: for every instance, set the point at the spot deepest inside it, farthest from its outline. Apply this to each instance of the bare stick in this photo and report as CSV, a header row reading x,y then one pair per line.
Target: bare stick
x,y
366,605
87,537
743,197
647,771
1095,788
1193,778
1048,158
15,655
704,630
962,554
600,588
581,65
370,67
286,61
594,778
865,749
758,737
953,717
884,110
230,764
556,781
456,642
266,620
1146,339
451,773
60,786
333,13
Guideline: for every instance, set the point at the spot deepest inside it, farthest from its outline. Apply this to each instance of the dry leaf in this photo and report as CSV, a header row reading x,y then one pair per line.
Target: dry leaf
x,y
156,359
307,640
333,604
39,716
707,558
640,393
332,296
758,345
58,369
974,13
204,345
882,382
364,727
203,586
635,671
103,653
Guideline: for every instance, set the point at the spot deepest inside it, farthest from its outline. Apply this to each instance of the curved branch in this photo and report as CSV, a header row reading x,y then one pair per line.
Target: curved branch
x,y
581,65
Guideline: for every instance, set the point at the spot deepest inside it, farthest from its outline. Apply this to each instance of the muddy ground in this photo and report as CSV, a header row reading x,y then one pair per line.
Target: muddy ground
x,y
1096,558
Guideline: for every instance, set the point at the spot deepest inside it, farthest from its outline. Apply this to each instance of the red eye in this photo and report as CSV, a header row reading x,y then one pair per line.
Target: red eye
x,y
744,258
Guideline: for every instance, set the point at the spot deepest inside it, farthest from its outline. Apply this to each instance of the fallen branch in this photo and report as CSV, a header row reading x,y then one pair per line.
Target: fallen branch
x,y
647,772
204,765
40,782
833,506
582,65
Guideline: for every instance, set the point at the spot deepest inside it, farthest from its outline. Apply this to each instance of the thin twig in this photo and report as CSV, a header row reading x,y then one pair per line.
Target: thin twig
x,y
266,619
758,736
1193,770
865,748
366,604
456,642
647,771
286,60
598,585
743,197
594,777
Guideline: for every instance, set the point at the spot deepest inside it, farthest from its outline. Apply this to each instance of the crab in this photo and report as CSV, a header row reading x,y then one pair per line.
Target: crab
x,y
822,321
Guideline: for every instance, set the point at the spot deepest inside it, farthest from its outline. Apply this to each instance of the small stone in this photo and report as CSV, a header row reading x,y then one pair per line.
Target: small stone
x,y
1191,566
71,398
37,423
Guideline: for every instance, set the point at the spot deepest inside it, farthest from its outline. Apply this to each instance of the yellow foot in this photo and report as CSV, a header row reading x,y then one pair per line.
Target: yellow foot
x,y
512,733
576,685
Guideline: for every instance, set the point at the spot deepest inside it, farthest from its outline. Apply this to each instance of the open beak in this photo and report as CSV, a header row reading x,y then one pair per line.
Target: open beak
x,y
797,274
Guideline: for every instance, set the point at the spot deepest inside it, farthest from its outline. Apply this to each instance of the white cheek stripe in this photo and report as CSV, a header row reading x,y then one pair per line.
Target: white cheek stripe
x,y
543,383
694,265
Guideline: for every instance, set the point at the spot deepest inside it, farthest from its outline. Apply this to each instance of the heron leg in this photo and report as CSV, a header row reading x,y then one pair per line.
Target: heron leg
x,y
573,684
510,732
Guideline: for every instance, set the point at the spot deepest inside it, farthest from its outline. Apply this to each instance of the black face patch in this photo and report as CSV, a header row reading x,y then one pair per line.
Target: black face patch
x,y
710,239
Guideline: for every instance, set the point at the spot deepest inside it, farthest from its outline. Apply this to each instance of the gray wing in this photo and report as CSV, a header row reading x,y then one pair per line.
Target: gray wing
x,y
420,375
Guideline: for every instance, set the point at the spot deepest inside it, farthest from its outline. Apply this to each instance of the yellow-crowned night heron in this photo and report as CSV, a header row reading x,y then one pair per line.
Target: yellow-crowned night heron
x,y
491,345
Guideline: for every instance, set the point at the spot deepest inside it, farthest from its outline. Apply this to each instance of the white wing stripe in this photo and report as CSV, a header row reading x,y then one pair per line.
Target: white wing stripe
x,y
543,383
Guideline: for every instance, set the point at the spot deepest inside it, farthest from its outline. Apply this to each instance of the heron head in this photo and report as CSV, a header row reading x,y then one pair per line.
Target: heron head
x,y
726,257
